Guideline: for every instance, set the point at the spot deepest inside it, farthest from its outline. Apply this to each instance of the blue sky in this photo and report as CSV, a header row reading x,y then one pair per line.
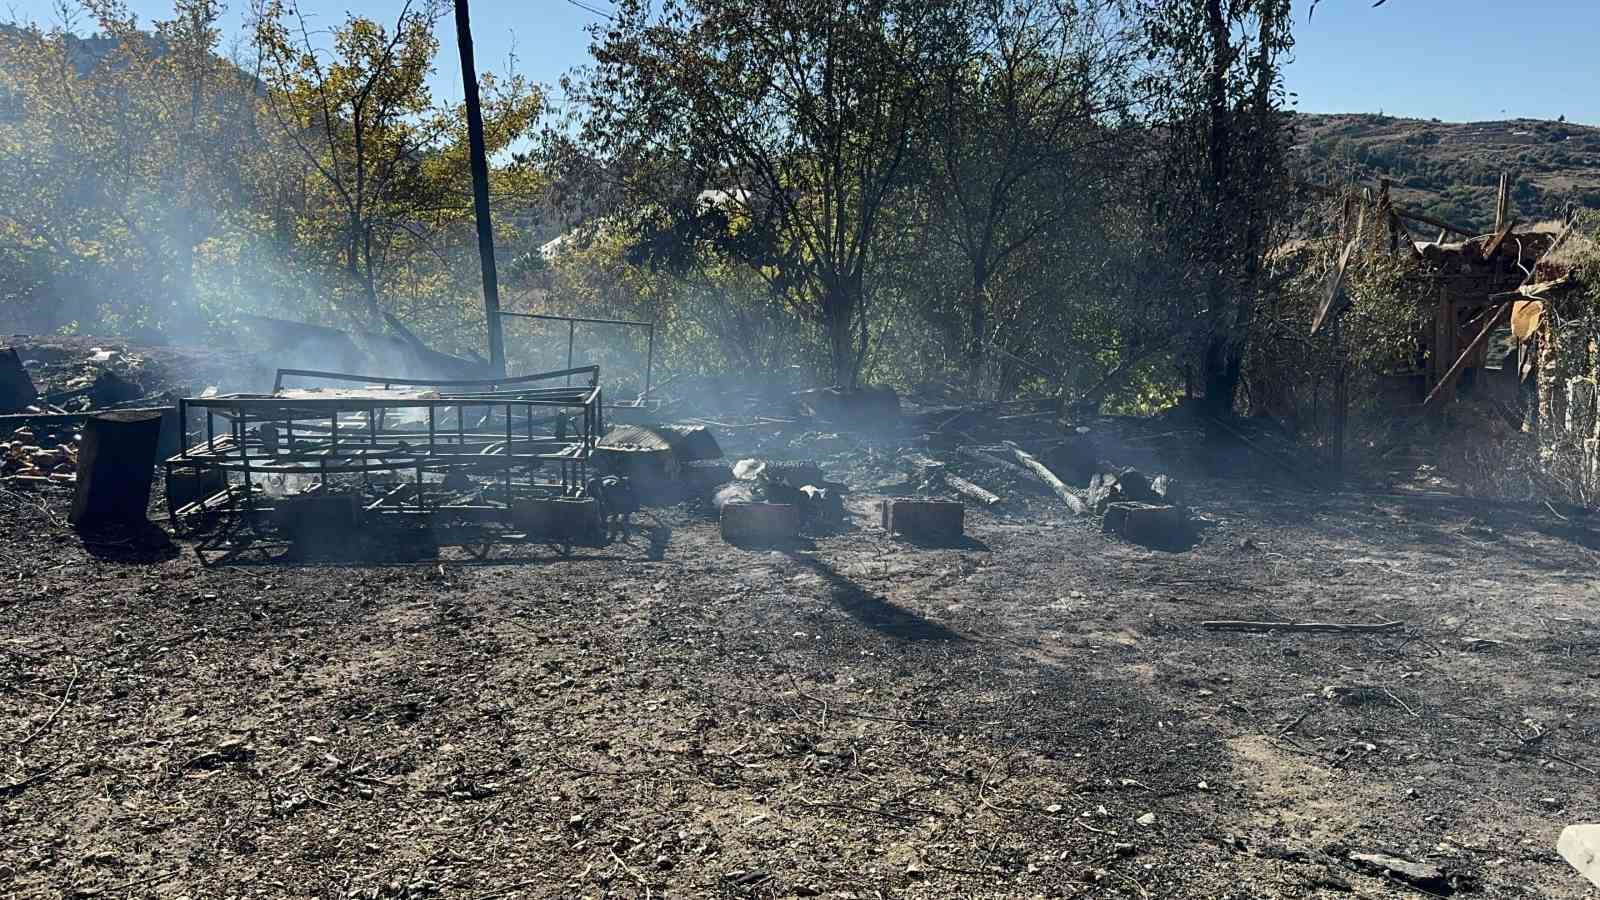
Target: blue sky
x,y
1460,60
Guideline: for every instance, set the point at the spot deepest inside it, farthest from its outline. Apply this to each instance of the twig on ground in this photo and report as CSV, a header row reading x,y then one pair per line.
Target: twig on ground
x,y
818,804
1295,724
1409,711
1336,627
509,889
635,875
59,706
17,787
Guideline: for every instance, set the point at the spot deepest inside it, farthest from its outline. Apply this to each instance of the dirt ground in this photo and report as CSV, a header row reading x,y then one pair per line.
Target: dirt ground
x,y
1036,713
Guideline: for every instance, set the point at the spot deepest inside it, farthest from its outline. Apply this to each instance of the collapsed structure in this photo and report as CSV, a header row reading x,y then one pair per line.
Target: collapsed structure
x,y
1509,318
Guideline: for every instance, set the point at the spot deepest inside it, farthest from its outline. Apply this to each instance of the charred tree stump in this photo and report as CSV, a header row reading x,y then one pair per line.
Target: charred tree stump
x,y
116,466
16,386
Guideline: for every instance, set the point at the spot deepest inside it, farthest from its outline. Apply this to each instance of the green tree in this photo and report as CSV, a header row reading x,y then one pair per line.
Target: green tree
x,y
1218,186
388,193
124,157
799,118
1019,136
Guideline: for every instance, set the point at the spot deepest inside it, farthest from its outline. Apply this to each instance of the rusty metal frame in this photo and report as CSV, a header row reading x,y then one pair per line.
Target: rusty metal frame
x,y
512,439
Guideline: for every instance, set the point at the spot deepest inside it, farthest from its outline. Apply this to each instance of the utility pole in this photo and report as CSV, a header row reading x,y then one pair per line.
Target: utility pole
x,y
480,191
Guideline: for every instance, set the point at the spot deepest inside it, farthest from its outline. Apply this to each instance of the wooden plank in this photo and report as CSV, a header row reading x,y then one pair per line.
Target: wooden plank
x,y
1502,203
18,420
1500,236
1335,287
1402,213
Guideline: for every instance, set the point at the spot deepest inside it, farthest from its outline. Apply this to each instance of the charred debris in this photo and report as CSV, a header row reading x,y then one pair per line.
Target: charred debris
x,y
324,458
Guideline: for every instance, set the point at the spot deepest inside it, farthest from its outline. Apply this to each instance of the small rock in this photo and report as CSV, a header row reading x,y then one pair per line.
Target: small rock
x,y
1424,876
575,821
1053,808
1147,819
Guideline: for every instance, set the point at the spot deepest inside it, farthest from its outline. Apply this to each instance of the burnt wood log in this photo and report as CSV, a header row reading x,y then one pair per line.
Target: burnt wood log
x,y
971,491
116,466
1032,464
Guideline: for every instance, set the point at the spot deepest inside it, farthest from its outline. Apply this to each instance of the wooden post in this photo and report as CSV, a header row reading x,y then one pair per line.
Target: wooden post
x,y
1341,397
1444,344
1502,202
116,465
480,191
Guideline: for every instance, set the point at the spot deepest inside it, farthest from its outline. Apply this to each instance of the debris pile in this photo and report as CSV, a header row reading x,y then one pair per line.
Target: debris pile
x,y
35,454
1013,459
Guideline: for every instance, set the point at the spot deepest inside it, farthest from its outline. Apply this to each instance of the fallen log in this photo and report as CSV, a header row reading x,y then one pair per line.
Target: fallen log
x,y
1032,464
1337,627
971,491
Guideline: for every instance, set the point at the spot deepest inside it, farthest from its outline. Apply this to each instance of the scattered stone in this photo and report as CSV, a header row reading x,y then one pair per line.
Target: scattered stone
x,y
1147,820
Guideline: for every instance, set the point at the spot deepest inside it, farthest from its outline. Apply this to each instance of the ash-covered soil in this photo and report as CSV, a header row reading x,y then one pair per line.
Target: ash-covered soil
x,y
1036,714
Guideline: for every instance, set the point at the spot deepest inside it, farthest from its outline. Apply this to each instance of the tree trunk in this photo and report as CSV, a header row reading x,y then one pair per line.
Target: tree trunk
x,y
978,320
839,311
1220,376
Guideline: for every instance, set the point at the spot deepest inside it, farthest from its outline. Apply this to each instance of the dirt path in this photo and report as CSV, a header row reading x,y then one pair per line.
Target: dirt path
x,y
858,719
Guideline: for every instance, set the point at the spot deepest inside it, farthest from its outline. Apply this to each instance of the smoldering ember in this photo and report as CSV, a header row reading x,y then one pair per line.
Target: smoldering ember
x,y
852,450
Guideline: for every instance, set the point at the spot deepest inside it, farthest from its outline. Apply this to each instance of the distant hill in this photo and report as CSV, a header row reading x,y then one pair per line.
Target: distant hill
x,y
1452,170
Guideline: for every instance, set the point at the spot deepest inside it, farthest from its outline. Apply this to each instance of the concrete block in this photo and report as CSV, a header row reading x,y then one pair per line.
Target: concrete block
x,y
564,519
185,487
1160,527
924,519
760,523
315,516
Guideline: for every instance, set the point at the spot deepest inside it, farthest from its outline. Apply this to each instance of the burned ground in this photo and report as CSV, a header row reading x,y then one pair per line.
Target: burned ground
x,y
1037,713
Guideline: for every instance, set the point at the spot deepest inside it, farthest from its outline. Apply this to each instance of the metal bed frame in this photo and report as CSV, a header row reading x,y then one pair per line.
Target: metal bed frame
x,y
464,449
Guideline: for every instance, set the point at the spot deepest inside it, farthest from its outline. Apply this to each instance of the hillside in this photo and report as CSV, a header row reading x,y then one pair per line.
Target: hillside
x,y
1451,170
